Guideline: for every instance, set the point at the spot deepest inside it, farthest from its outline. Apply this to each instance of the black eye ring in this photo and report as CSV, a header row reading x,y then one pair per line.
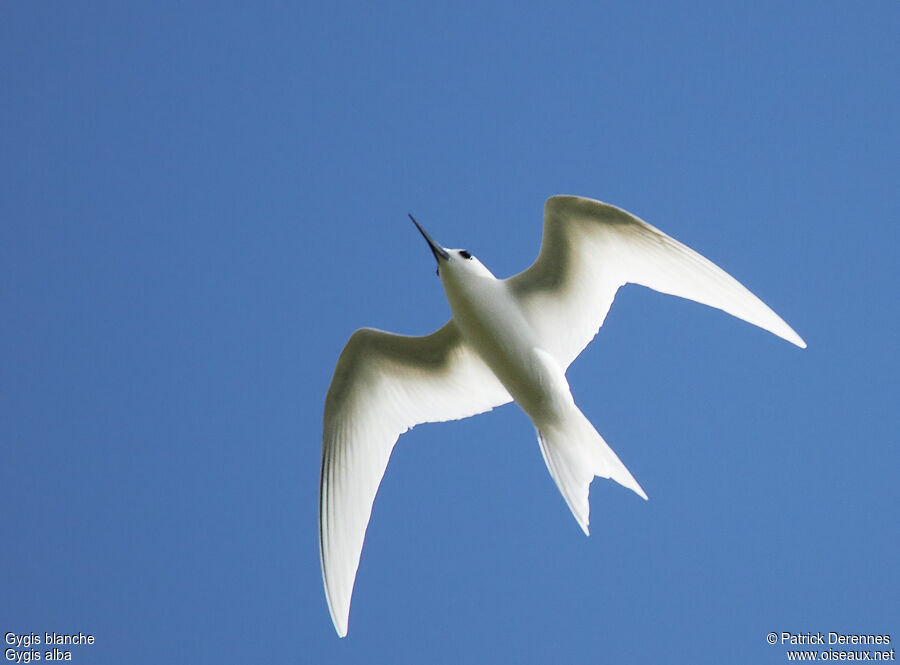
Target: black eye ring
x,y
463,253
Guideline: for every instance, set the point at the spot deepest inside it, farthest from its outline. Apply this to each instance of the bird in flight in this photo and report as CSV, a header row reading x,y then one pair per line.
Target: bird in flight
x,y
507,340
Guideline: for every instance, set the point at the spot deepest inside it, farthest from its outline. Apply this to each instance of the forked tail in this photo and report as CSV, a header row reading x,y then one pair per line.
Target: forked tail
x,y
574,453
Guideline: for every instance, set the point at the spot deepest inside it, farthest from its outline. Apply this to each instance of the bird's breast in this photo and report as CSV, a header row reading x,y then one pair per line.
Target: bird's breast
x,y
491,321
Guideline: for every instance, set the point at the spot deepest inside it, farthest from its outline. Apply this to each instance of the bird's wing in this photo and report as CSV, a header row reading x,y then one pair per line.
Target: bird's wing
x,y
590,249
383,385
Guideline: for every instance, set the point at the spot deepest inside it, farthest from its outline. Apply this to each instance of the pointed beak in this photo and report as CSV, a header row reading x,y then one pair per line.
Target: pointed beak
x,y
438,251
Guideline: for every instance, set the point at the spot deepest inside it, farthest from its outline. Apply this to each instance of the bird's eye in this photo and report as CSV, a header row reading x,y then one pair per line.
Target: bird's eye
x,y
463,253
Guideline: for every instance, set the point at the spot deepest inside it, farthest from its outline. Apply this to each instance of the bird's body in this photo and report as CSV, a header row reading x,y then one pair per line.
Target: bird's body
x,y
487,316
508,339
490,319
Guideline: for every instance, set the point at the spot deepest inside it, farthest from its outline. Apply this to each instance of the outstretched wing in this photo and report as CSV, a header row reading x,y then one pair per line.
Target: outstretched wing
x,y
383,385
590,249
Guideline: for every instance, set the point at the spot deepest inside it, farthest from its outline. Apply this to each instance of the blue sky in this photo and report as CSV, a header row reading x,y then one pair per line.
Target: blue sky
x,y
202,201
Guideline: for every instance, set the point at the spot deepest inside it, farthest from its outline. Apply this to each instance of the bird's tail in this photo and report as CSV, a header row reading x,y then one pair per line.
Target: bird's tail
x,y
575,453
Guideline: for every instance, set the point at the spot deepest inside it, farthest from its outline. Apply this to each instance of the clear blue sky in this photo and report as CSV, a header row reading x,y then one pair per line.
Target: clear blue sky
x,y
201,202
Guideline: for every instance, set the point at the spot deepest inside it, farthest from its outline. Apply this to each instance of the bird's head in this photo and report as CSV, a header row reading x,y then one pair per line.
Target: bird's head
x,y
453,263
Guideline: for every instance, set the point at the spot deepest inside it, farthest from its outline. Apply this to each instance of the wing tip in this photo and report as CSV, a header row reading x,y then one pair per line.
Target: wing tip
x,y
340,624
340,616
789,335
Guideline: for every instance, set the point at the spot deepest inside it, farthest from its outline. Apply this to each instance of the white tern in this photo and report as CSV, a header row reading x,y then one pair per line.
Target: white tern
x,y
508,339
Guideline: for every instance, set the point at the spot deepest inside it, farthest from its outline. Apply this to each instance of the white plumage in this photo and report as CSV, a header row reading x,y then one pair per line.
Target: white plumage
x,y
508,339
